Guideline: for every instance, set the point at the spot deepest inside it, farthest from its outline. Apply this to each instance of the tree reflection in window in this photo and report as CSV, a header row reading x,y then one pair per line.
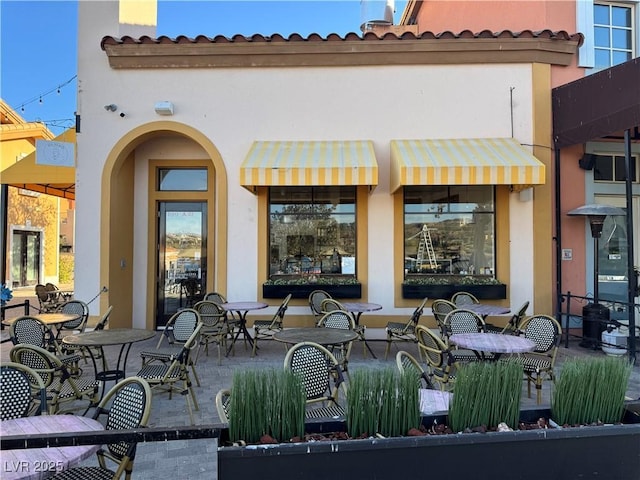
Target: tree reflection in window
x,y
311,230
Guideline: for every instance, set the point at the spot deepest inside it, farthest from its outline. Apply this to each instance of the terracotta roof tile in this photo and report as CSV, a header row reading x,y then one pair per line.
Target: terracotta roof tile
x,y
333,37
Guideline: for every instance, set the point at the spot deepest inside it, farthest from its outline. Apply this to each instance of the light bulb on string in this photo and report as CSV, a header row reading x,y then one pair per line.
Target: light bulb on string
x,y
40,101
58,91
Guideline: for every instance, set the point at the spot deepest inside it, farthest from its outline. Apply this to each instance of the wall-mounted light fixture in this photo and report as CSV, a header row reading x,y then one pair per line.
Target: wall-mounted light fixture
x,y
163,108
112,107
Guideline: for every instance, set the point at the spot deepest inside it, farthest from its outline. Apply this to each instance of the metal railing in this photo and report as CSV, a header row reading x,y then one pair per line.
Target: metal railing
x,y
566,314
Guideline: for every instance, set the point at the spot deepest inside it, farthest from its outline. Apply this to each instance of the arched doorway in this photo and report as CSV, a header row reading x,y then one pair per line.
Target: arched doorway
x,y
132,197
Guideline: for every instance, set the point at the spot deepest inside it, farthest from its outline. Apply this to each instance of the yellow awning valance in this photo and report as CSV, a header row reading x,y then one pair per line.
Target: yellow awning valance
x,y
49,179
54,180
311,163
469,161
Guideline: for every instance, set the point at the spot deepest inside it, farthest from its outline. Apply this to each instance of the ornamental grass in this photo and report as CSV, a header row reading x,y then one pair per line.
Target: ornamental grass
x,y
266,402
486,394
382,401
590,390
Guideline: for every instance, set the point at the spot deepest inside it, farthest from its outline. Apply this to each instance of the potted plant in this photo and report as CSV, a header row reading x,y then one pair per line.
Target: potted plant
x,y
300,286
483,287
569,453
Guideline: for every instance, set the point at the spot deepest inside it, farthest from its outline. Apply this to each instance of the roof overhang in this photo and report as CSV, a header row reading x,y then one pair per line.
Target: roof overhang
x,y
597,105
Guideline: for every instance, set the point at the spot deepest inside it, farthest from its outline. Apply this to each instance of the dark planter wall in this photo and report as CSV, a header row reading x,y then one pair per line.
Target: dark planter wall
x,y
481,292
611,451
303,291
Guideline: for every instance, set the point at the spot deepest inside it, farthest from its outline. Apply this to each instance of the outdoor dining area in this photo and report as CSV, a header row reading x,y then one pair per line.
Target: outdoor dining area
x,y
60,376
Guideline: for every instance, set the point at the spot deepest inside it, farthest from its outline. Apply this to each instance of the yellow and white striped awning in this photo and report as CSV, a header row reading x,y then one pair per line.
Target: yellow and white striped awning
x,y
469,161
311,163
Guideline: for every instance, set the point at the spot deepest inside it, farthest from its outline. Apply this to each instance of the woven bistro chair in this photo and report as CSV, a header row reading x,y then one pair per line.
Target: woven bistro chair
x,y
321,376
28,330
127,406
404,332
265,329
315,303
460,299
513,325
46,302
343,320
408,363
233,322
62,389
173,376
177,333
442,365
223,401
539,365
440,308
22,393
463,321
214,328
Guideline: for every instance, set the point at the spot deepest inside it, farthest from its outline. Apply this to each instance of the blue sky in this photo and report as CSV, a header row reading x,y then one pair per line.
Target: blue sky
x,y
38,41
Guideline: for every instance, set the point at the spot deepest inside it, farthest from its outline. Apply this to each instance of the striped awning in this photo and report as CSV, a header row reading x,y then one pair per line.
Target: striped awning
x,y
469,161
312,163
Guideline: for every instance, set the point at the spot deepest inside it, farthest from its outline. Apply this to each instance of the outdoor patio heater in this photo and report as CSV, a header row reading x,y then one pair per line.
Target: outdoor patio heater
x,y
594,315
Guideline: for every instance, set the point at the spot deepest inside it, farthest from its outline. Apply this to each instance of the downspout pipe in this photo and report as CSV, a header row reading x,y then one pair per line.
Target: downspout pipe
x,y
558,240
631,287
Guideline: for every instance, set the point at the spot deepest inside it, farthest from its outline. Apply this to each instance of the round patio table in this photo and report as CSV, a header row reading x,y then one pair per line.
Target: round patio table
x,y
357,309
242,308
36,463
495,343
125,337
321,336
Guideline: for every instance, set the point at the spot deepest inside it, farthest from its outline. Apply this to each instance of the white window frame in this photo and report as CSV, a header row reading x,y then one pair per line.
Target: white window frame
x,y
585,25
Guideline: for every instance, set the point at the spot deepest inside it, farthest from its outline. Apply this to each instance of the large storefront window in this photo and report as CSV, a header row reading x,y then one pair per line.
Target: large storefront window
x,y
312,231
449,230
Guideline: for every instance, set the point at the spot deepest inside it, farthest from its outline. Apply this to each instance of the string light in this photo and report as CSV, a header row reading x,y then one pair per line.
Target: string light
x,y
40,96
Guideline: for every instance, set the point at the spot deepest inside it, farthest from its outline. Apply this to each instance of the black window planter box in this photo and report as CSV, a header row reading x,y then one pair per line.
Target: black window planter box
x,y
611,451
303,291
481,292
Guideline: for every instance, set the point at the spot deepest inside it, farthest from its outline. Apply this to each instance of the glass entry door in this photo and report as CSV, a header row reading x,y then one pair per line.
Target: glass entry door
x,y
182,256
25,262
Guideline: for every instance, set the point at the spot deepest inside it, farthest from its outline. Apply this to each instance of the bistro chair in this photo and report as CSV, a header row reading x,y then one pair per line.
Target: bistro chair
x,y
214,328
442,365
177,332
104,320
18,398
321,376
265,329
77,325
513,325
343,320
538,365
173,376
440,308
223,401
460,299
62,389
127,406
404,332
47,304
28,330
408,363
330,305
463,321
315,303
233,322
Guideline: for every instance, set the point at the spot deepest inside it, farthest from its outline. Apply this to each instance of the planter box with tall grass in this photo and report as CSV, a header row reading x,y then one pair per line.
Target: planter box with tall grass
x,y
610,451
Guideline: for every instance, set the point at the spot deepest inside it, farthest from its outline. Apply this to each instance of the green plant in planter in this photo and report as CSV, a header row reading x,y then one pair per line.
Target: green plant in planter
x,y
486,393
266,402
450,280
590,390
312,279
382,401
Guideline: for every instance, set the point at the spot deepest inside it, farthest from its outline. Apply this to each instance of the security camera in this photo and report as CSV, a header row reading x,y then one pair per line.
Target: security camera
x,y
122,114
